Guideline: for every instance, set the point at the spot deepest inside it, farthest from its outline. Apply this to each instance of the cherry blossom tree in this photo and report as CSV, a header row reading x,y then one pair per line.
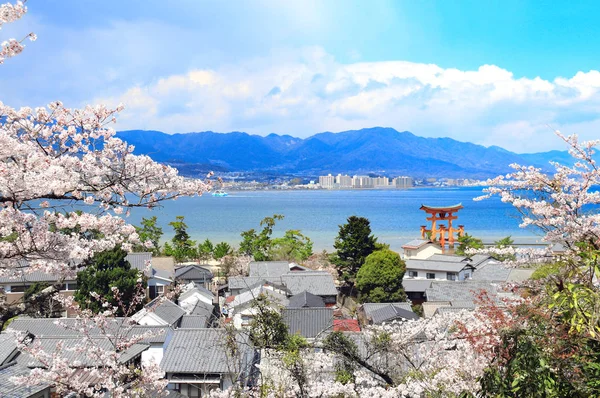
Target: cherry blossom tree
x,y
10,13
66,183
560,204
548,341
425,357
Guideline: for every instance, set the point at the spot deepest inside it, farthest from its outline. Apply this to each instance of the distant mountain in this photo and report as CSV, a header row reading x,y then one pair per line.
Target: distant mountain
x,y
372,150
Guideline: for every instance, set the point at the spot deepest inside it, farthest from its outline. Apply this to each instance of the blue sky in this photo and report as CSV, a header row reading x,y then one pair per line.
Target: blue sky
x,y
491,72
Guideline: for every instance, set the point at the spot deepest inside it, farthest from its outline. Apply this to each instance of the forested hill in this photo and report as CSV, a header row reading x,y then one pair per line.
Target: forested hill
x,y
375,150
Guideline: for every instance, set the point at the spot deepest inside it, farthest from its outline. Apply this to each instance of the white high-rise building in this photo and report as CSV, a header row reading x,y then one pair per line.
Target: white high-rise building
x,y
361,182
327,182
381,182
403,182
343,181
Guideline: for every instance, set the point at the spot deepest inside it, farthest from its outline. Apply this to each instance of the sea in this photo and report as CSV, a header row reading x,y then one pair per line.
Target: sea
x,y
394,214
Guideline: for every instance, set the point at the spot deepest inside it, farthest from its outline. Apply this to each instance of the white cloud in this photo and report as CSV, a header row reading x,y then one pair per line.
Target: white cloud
x,y
306,92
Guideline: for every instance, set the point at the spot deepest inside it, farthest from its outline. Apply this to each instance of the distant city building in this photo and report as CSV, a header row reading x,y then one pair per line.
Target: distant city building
x,y
403,182
343,181
362,182
381,182
327,181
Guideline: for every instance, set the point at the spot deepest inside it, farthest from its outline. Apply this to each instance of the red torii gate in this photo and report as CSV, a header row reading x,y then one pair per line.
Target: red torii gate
x,y
443,213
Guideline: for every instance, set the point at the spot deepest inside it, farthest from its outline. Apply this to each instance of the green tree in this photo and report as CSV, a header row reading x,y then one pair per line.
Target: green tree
x,y
205,250
258,244
108,269
504,243
149,231
267,329
466,242
221,250
182,248
293,246
353,244
379,280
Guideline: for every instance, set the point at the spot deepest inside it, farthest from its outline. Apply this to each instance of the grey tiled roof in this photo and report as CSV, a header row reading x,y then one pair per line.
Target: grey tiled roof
x,y
391,312
298,267
462,303
448,258
250,282
415,244
193,273
138,260
10,390
41,327
431,265
71,350
491,271
478,259
370,307
133,352
267,269
202,309
197,351
194,322
454,291
416,285
45,327
315,282
8,347
158,334
159,273
385,312
306,300
243,282
308,322
24,276
166,310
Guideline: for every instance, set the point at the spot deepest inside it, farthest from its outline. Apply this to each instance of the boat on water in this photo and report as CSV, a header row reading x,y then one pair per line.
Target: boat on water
x,y
219,193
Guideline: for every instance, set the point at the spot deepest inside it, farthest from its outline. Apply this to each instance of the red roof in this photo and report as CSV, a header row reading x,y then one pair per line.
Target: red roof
x,y
229,299
346,325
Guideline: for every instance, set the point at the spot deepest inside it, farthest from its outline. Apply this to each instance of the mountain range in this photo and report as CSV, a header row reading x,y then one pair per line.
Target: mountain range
x,y
376,150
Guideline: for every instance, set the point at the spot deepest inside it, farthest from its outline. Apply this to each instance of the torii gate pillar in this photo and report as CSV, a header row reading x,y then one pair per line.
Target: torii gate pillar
x,y
438,234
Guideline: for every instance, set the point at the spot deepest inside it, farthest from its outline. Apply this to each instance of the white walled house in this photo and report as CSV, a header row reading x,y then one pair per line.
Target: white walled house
x,y
419,249
423,269
193,294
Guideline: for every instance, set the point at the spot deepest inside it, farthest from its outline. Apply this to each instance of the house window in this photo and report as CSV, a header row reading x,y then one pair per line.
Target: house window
x,y
451,276
18,288
72,286
467,275
430,275
413,274
160,290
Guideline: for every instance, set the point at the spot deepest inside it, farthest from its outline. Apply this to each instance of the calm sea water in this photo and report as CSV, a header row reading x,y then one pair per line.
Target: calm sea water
x,y
394,214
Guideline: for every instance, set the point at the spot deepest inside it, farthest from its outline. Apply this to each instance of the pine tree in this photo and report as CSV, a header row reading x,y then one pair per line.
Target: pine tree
x,y
107,269
353,244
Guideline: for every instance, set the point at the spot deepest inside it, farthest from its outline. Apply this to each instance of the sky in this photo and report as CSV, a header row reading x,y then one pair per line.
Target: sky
x,y
504,73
